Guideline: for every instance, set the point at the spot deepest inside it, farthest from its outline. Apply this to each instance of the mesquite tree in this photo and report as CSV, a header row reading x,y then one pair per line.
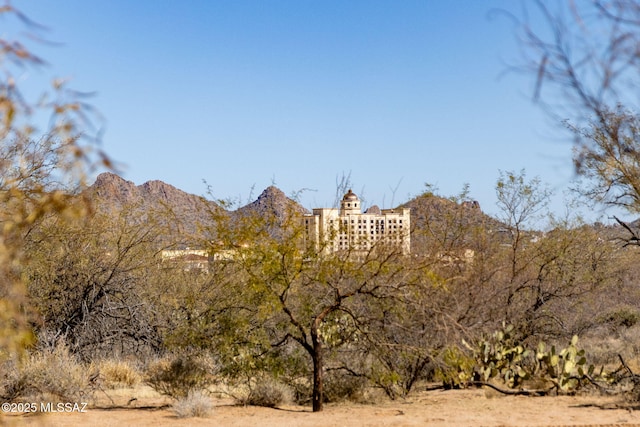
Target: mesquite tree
x,y
315,298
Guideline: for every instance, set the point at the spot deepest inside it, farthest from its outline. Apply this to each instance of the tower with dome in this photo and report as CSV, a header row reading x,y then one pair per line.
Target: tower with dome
x,y
348,228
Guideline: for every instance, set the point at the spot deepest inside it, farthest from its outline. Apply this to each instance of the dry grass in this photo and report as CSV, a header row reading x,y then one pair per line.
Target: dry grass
x,y
52,373
118,374
603,347
181,375
195,404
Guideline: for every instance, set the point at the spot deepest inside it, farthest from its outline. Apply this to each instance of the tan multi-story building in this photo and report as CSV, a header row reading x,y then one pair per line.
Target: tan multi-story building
x,y
347,228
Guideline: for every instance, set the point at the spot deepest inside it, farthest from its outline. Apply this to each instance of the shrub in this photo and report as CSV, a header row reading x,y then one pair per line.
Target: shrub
x,y
118,374
181,375
456,368
49,373
267,392
340,386
623,317
195,404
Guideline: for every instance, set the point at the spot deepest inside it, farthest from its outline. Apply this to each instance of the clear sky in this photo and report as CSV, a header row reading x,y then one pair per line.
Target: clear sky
x,y
244,94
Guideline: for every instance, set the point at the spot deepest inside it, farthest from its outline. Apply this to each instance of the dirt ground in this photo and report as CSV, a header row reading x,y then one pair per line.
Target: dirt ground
x,y
434,408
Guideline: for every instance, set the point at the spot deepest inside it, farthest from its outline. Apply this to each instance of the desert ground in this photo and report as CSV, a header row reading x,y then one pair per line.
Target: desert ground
x,y
476,407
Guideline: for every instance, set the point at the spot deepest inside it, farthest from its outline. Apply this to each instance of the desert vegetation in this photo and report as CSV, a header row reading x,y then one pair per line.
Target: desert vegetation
x,y
524,303
500,302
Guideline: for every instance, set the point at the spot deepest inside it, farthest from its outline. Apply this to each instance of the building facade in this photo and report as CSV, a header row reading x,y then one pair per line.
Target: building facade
x,y
347,228
188,259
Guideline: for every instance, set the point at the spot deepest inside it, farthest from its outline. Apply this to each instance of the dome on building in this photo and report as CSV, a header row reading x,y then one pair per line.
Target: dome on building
x,y
350,196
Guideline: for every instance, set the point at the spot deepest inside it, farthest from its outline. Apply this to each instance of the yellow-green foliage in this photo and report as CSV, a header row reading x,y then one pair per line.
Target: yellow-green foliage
x,y
457,368
33,163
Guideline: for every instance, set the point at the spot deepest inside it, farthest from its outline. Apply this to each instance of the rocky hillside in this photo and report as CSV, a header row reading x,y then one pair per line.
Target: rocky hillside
x,y
171,205
272,202
449,222
186,212
431,216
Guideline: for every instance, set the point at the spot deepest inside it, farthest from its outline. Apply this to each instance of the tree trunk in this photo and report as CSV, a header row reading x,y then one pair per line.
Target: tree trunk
x,y
318,383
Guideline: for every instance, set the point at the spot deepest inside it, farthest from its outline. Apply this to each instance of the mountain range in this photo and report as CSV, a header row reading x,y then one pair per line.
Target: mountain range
x,y
111,192
430,214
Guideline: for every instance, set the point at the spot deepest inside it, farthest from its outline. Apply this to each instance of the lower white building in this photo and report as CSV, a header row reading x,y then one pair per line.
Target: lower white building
x,y
347,228
188,259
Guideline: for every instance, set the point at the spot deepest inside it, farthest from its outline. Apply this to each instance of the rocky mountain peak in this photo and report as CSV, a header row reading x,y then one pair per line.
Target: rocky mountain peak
x,y
110,178
271,192
167,193
113,193
110,186
272,202
157,187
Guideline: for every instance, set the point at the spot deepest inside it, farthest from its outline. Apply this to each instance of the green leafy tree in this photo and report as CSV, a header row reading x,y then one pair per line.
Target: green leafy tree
x,y
318,300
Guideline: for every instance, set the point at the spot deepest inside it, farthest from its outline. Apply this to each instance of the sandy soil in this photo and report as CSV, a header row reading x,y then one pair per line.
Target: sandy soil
x,y
435,408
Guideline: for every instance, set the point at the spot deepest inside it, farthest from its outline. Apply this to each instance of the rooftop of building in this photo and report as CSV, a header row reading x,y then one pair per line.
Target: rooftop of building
x,y
350,196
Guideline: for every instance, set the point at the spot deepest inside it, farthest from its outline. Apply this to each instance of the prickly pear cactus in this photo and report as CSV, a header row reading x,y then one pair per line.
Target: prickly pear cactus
x,y
564,368
501,357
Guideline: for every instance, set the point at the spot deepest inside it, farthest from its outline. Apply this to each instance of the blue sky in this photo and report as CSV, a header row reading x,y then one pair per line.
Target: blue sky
x,y
244,94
